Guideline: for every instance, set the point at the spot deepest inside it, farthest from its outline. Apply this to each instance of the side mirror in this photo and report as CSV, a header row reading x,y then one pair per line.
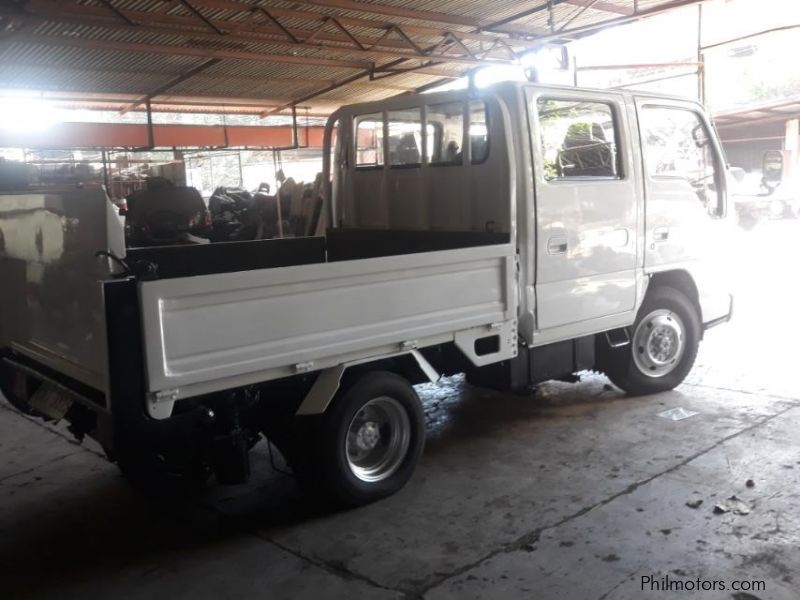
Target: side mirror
x,y
123,212
772,166
699,136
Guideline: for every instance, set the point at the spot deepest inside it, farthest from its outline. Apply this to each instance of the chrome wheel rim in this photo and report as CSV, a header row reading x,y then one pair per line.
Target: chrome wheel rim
x,y
659,343
378,439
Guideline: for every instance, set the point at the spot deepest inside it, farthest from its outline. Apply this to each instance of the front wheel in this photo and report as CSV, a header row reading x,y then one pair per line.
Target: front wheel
x,y
366,446
663,347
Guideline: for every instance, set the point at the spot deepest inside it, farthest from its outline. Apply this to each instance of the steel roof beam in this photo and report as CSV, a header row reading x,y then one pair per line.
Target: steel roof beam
x,y
584,30
499,24
395,11
388,69
66,7
314,94
606,23
194,11
376,9
171,84
539,38
78,13
585,4
253,109
355,45
114,10
215,77
182,50
506,26
602,6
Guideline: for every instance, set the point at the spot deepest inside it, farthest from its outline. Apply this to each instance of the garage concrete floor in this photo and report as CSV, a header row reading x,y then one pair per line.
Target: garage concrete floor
x,y
574,492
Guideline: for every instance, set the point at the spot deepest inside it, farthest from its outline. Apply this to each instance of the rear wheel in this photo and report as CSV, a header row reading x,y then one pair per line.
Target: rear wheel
x,y
367,445
666,336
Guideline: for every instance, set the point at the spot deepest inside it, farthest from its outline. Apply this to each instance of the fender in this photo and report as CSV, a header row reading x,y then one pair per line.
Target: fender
x,y
327,384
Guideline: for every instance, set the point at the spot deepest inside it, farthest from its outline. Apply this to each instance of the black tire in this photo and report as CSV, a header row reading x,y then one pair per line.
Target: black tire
x,y
619,364
320,457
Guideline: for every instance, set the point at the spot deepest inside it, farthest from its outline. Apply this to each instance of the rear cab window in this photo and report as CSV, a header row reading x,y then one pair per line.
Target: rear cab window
x,y
405,137
400,135
445,131
478,132
369,141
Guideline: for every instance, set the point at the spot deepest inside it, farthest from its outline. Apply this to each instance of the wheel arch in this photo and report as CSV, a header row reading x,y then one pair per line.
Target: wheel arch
x,y
682,281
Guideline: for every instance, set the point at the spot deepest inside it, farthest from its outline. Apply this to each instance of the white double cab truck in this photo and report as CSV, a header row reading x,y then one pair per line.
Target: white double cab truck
x,y
518,234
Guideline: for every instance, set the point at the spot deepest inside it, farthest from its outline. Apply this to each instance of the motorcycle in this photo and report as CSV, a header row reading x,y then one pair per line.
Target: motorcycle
x,y
238,215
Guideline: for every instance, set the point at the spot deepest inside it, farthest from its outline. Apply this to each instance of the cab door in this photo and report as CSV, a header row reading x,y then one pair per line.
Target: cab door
x,y
587,208
684,183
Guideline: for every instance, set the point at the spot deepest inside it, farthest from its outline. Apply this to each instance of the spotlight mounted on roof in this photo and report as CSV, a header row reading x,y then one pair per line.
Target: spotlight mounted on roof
x,y
544,60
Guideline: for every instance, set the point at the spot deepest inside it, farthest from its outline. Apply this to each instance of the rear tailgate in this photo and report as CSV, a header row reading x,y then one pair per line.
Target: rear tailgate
x,y
213,332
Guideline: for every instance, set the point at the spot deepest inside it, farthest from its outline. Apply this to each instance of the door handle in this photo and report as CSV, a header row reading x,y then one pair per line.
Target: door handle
x,y
621,237
557,244
661,234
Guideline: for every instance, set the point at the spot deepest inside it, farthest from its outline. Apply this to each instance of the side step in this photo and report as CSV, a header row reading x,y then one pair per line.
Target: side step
x,y
618,337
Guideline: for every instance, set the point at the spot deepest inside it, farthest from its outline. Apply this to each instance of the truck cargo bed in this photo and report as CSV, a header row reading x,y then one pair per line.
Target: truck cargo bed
x,y
214,332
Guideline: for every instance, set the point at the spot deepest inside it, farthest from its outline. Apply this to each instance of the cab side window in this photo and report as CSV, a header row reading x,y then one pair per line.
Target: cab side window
x,y
677,147
578,139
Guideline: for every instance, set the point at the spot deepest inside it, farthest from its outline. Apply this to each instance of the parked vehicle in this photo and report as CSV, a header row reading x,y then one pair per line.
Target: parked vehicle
x,y
518,234
238,215
773,196
783,191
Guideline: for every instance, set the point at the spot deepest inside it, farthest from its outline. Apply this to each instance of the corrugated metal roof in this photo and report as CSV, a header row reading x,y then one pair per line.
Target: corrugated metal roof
x,y
139,47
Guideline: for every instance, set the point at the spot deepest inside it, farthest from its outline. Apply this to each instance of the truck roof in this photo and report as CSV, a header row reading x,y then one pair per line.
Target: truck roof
x,y
502,88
